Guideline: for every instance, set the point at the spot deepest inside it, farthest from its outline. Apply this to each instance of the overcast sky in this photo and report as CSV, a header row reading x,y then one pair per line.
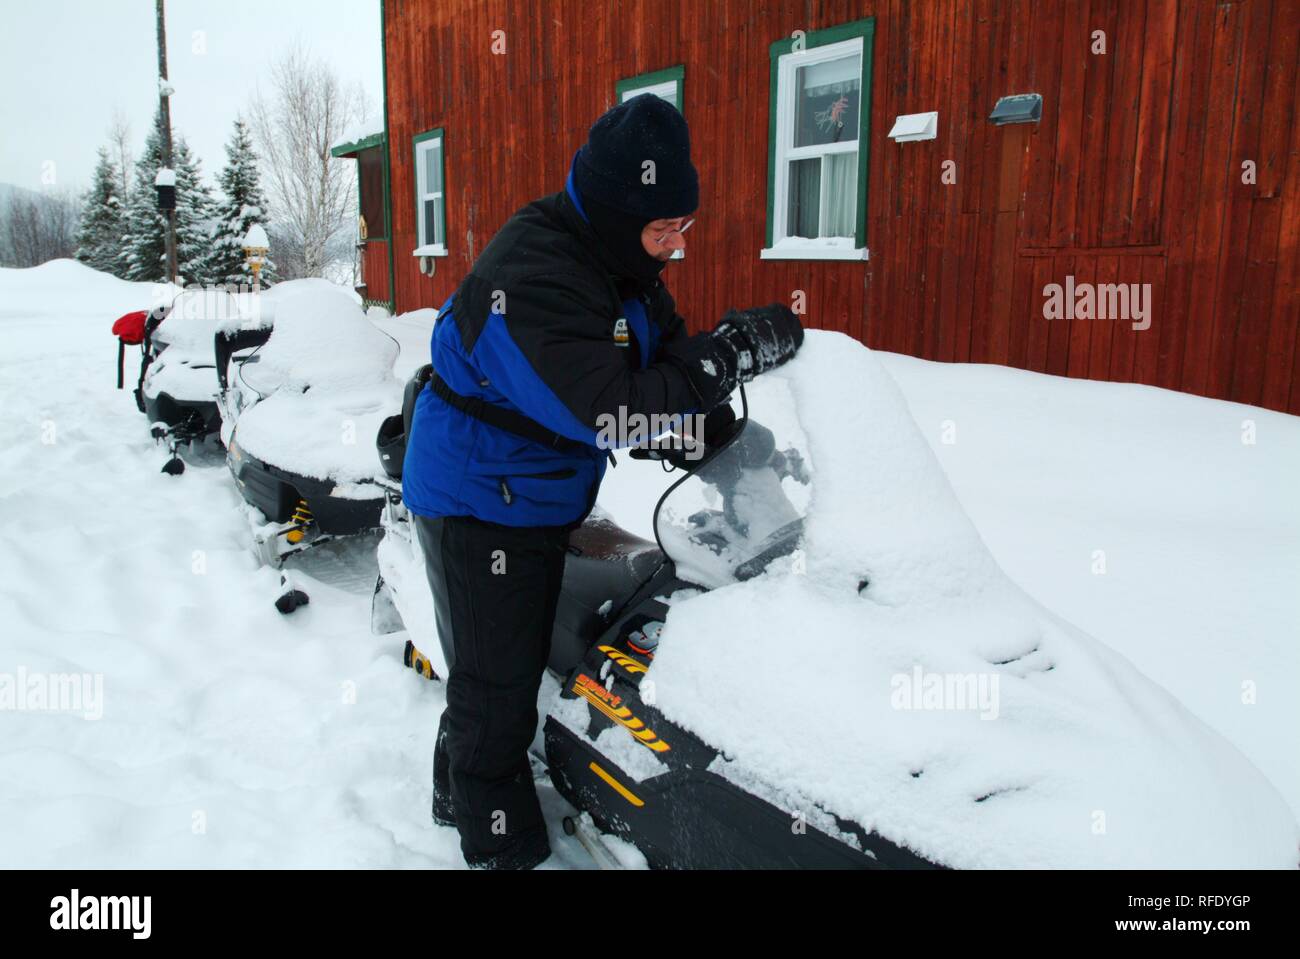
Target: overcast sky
x,y
66,65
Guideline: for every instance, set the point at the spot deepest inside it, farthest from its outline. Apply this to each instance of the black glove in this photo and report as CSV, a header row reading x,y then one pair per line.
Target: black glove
x,y
718,425
763,338
745,343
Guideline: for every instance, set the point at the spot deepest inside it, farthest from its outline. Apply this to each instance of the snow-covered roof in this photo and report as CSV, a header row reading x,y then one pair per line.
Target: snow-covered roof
x,y
256,237
358,137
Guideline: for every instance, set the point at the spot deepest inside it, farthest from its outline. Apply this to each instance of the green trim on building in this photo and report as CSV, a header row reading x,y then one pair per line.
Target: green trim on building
x,y
677,73
365,143
438,133
866,29
388,197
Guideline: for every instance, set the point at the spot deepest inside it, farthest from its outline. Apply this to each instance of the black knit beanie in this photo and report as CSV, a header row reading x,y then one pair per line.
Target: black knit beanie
x,y
612,165
643,139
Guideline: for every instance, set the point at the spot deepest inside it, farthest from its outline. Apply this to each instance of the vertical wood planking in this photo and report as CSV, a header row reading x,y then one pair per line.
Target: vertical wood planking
x,y
1132,175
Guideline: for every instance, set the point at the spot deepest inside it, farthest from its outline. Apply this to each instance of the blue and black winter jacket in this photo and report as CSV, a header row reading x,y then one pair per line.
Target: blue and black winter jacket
x,y
535,328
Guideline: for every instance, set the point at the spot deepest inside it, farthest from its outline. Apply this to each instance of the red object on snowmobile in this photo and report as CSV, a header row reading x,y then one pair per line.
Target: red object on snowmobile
x,y
129,328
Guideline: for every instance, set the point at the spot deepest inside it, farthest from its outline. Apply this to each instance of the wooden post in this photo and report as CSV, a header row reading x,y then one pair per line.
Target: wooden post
x,y
164,105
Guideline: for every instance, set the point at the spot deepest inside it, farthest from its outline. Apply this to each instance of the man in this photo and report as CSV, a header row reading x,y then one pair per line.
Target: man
x,y
561,322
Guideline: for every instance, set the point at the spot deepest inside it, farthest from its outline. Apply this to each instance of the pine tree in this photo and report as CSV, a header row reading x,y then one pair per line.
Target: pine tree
x,y
144,249
196,213
244,205
99,236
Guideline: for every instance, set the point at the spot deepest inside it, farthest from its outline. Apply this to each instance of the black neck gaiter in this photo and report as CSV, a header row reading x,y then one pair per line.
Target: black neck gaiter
x,y
621,234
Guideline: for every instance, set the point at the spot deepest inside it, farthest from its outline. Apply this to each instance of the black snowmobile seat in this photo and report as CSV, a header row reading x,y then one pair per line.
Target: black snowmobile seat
x,y
606,565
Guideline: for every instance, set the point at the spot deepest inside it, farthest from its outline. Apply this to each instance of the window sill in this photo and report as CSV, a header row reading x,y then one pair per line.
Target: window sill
x,y
812,251
430,249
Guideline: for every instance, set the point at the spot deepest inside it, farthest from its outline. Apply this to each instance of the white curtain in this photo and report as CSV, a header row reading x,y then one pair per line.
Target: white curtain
x,y
841,172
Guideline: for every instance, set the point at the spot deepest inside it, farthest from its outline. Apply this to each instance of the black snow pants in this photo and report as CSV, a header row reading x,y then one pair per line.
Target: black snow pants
x,y
495,590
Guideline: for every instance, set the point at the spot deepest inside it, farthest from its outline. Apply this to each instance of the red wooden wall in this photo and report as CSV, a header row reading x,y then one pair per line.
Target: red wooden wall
x,y
1133,174
374,270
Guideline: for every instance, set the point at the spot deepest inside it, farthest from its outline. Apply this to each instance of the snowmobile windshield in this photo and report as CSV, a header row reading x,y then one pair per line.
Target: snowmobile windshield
x,y
743,507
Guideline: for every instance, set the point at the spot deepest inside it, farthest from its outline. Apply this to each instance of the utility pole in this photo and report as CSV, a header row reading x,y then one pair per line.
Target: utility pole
x,y
164,105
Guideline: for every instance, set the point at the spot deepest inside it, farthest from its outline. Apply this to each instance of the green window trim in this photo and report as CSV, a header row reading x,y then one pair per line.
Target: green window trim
x,y
438,133
866,30
675,74
388,154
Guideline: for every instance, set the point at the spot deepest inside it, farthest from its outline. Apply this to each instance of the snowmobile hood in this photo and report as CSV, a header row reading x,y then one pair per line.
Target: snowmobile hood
x,y
885,669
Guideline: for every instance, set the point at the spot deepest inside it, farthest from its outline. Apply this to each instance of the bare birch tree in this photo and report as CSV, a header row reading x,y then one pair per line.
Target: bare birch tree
x,y
306,110
119,149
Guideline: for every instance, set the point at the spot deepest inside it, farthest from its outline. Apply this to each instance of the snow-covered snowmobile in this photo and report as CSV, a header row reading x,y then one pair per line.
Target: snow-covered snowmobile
x,y
240,339
609,750
176,387
818,661
294,404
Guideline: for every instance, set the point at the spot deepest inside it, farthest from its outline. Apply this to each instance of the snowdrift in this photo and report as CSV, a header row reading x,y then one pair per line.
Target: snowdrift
x,y
941,705
59,288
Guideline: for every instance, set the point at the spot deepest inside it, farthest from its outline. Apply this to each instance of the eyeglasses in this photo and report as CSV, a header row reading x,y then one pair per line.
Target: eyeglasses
x,y
681,229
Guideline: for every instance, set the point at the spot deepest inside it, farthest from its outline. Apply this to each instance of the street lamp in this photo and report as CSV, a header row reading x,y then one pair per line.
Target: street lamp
x,y
256,246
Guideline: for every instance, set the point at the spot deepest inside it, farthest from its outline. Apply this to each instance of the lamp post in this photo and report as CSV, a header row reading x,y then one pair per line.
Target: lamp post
x,y
256,246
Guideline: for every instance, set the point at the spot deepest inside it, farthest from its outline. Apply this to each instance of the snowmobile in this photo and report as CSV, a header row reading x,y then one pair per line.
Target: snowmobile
x,y
176,387
608,749
240,341
293,399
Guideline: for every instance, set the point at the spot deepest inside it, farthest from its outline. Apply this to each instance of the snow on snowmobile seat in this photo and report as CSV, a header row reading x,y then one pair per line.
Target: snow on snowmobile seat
x,y
605,567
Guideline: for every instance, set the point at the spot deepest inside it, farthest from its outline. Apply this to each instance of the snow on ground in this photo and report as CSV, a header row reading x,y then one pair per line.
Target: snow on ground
x,y
232,735
1195,517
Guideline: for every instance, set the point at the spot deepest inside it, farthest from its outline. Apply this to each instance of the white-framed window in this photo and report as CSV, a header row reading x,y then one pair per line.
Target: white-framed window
x,y
430,195
818,166
665,84
664,91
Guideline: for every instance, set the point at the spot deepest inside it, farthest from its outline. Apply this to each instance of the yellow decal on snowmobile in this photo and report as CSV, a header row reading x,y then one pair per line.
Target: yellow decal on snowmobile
x,y
412,657
623,659
617,786
609,704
